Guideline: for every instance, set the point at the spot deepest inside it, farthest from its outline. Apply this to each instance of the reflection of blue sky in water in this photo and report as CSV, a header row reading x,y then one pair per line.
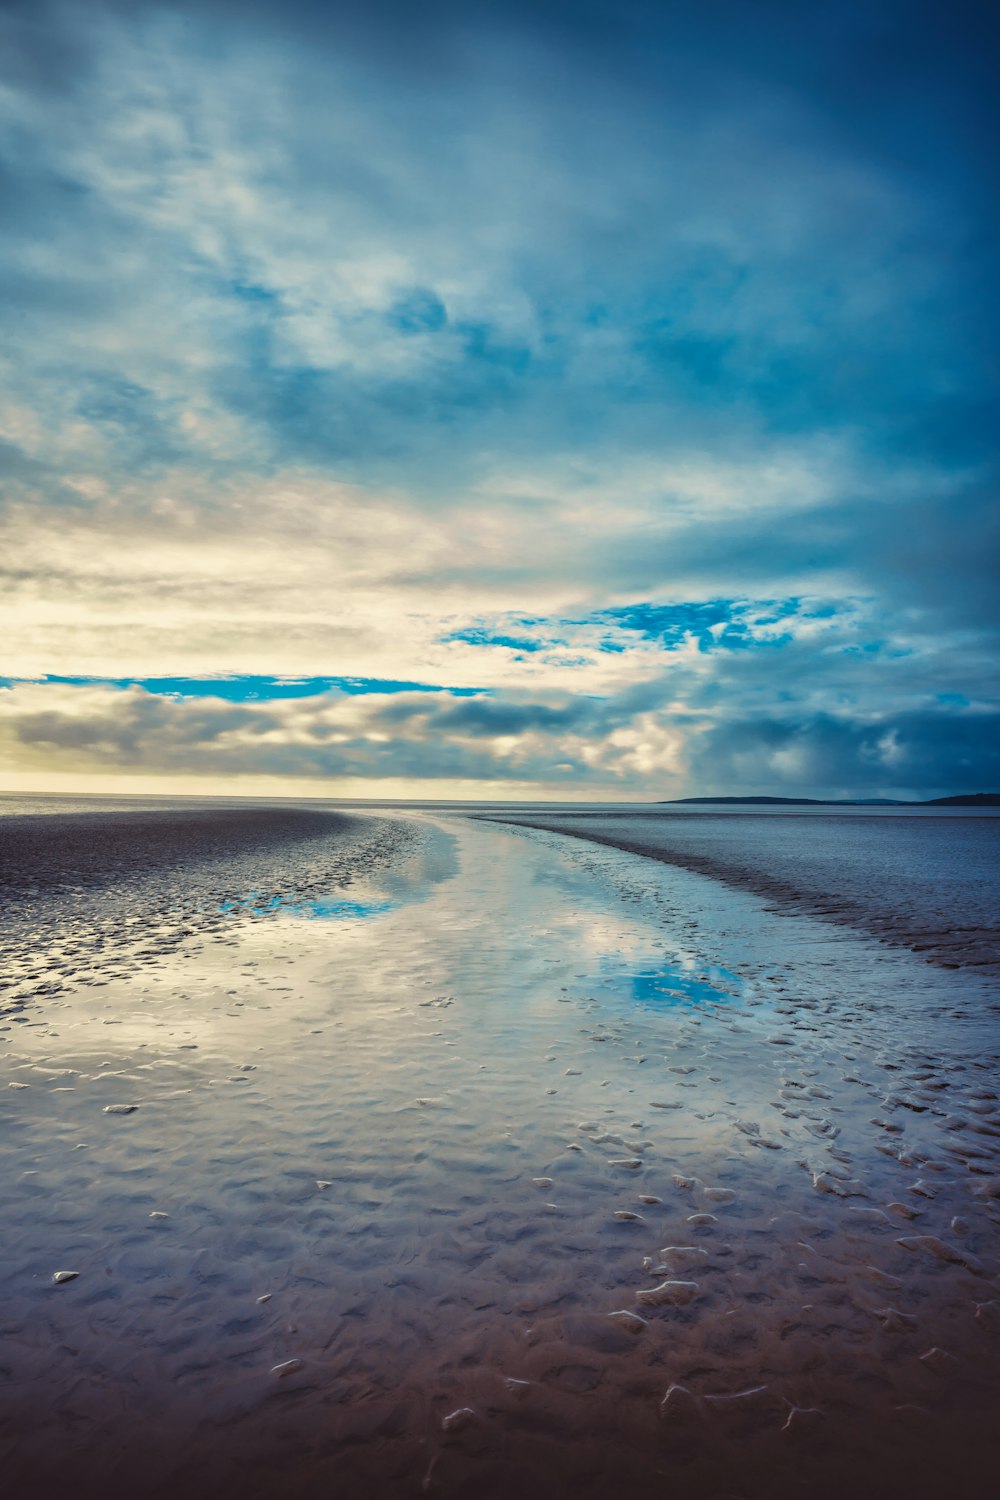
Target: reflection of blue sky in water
x,y
336,906
654,985
671,987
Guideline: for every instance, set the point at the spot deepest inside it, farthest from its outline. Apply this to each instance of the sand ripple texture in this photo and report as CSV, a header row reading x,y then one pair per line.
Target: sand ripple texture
x,y
92,896
576,1176
924,880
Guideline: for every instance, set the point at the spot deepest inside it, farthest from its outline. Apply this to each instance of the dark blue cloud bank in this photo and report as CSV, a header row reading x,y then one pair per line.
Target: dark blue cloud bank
x,y
577,399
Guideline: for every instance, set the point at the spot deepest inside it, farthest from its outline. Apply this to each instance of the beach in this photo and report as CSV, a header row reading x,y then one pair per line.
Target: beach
x,y
398,1151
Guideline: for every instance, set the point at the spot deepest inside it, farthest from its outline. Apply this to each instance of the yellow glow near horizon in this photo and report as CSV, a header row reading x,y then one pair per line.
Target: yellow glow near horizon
x,y
67,784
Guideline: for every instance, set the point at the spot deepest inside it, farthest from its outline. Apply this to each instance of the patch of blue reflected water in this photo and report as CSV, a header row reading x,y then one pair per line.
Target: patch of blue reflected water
x,y
336,907
668,987
655,986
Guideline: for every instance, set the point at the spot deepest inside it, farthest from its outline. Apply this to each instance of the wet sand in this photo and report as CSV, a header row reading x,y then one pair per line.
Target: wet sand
x,y
91,896
502,1165
925,879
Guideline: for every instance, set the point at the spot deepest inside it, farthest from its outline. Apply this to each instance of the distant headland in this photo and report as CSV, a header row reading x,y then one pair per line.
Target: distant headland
x,y
963,799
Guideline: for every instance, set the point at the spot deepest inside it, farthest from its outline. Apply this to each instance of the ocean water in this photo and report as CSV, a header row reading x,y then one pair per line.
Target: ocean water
x,y
440,1156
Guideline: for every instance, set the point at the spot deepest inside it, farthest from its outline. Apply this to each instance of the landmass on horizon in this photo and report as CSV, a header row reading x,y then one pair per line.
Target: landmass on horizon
x,y
964,799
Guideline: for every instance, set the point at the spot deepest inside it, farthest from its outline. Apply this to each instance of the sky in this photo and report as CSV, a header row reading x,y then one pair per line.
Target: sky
x,y
561,400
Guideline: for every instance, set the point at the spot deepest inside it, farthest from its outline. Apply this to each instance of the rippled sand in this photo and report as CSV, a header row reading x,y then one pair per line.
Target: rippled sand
x,y
532,1169
925,879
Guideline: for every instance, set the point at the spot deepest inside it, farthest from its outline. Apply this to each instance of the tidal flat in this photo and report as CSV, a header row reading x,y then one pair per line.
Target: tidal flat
x,y
395,1152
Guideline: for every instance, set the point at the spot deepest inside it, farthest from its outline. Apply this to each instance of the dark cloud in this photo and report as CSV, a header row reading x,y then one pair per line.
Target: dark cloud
x,y
489,718
916,753
920,753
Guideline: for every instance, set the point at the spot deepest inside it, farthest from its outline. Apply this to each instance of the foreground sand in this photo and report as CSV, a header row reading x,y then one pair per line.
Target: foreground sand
x,y
534,1169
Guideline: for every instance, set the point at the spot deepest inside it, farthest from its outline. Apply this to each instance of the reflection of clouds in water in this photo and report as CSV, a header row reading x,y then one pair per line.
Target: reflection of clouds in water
x,y
615,962
599,939
412,880
629,965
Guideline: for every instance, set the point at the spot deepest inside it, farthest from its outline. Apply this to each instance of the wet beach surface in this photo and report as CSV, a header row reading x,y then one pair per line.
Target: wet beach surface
x,y
493,1163
90,896
927,880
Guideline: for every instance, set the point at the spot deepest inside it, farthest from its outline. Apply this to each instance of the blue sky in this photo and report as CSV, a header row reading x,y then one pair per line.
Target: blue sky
x,y
498,399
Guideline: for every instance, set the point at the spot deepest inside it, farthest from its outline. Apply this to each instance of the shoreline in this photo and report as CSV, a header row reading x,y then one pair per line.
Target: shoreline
x,y
966,946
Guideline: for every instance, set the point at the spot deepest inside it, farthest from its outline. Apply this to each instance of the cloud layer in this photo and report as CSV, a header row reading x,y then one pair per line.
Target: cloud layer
x,y
630,371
